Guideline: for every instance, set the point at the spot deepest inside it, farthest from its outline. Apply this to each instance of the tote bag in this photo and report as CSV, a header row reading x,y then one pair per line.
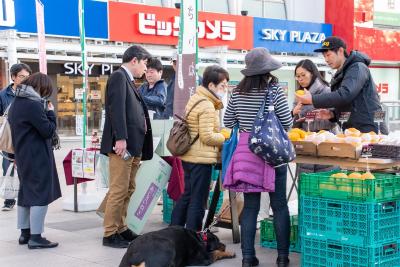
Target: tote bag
x,y
9,185
228,148
268,139
5,133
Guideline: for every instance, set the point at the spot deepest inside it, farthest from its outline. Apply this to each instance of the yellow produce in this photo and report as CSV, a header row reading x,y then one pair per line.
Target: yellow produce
x,y
352,132
226,132
300,92
294,136
339,175
367,175
355,175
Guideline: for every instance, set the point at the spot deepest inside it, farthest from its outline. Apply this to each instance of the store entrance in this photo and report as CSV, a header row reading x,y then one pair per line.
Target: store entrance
x,y
70,104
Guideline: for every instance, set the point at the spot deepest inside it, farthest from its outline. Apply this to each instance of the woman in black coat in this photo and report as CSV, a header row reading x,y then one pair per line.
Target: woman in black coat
x,y
33,124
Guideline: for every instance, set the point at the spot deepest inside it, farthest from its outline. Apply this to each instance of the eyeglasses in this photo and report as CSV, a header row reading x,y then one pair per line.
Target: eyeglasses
x,y
22,76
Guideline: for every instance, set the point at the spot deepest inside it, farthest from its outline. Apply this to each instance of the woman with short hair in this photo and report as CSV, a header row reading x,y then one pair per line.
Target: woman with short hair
x,y
33,124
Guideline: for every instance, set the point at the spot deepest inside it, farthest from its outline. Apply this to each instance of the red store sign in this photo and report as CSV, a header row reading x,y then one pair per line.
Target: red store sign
x,y
157,25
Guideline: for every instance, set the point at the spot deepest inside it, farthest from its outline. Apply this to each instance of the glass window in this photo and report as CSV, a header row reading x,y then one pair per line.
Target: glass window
x,y
153,2
220,6
253,7
274,10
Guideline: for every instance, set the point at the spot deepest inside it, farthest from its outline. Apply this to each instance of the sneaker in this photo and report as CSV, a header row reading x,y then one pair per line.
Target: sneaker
x,y
7,207
128,235
115,241
41,243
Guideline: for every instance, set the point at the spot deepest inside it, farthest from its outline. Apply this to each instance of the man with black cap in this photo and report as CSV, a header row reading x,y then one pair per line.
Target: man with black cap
x,y
353,89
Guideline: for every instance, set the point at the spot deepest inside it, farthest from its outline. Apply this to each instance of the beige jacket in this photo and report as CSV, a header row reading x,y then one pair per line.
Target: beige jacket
x,y
204,120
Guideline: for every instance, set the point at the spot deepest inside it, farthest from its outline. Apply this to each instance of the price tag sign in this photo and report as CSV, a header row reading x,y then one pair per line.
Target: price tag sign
x,y
344,116
366,151
310,116
379,116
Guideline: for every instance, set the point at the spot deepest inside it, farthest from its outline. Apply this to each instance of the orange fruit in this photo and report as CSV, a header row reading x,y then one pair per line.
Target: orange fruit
x,y
355,175
300,92
367,175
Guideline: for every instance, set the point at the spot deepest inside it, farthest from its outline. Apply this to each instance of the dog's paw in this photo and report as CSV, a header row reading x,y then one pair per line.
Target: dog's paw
x,y
231,255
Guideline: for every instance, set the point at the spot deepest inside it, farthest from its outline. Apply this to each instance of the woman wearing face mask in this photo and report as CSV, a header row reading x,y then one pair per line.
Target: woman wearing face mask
x,y
309,78
203,120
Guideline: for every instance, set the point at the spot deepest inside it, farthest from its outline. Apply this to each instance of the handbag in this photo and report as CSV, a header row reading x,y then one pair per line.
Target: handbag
x,y
5,133
268,139
102,170
228,148
9,185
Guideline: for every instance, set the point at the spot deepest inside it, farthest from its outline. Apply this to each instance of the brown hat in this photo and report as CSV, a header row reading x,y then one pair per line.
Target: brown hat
x,y
259,61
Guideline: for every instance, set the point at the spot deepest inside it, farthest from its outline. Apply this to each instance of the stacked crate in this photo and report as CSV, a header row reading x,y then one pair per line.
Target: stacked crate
x,y
168,203
268,236
349,222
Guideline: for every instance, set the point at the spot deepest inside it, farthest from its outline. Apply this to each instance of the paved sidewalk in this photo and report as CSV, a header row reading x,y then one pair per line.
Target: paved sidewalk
x,y
80,236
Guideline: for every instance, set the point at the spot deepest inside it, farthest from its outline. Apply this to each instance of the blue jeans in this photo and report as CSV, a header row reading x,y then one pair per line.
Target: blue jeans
x,y
190,208
248,221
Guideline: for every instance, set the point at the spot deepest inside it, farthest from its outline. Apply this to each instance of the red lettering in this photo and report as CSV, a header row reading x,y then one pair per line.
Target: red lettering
x,y
382,88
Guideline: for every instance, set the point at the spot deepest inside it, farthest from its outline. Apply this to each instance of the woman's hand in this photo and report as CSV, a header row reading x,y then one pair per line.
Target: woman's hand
x,y
50,106
297,109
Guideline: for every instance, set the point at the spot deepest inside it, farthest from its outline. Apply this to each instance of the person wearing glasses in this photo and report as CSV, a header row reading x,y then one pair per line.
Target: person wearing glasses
x,y
18,72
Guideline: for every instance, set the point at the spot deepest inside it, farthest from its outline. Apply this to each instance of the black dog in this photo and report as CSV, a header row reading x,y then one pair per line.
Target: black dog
x,y
174,246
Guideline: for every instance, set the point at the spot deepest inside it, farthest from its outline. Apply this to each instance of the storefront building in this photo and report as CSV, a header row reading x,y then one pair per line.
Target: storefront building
x,y
112,26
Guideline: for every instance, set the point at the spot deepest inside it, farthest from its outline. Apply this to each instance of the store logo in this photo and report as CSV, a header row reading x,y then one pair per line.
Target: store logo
x,y
210,30
7,13
382,88
293,36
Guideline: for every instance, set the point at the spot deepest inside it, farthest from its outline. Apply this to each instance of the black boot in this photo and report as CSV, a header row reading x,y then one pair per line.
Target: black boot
x,y
128,235
37,241
25,236
282,261
115,241
250,262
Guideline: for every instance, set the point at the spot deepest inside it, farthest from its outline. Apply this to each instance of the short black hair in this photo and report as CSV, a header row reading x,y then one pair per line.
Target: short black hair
x,y
337,49
214,74
154,63
135,51
16,68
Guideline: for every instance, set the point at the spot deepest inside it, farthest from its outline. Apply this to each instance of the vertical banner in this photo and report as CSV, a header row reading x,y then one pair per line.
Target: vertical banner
x,y
186,77
85,68
41,36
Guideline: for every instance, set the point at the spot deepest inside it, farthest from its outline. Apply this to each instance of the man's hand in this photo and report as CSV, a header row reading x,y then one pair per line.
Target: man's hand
x,y
120,147
305,99
324,114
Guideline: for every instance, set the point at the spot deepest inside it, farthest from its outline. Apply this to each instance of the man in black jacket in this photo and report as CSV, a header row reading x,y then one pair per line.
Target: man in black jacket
x,y
127,139
353,89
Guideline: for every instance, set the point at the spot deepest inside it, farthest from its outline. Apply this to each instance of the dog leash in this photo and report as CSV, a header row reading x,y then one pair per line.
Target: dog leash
x,y
204,231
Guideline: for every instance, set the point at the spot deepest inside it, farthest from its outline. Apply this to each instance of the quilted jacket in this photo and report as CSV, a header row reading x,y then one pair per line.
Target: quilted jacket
x,y
204,120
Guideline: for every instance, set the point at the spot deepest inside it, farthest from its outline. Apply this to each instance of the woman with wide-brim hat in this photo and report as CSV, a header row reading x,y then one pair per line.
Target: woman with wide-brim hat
x,y
242,109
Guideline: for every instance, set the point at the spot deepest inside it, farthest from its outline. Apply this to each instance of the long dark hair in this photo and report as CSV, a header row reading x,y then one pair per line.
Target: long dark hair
x,y
259,82
310,67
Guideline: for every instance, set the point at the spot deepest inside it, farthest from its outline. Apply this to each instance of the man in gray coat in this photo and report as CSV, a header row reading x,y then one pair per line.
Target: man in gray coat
x,y
353,89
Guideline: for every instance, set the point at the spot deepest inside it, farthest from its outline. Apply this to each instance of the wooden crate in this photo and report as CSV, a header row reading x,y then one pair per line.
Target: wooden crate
x,y
305,148
340,150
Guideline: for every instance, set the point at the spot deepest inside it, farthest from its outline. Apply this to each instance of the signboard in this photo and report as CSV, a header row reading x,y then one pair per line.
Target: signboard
x,y
95,94
387,81
78,124
83,163
289,36
79,93
41,36
60,18
151,179
156,25
387,12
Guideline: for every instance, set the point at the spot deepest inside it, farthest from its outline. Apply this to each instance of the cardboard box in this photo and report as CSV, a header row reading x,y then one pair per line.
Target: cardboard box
x,y
305,148
340,150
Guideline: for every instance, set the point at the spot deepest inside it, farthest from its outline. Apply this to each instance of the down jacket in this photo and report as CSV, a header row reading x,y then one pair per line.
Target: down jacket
x,y
204,120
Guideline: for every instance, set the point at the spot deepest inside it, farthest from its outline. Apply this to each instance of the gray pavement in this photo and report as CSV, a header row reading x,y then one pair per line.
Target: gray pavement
x,y
80,236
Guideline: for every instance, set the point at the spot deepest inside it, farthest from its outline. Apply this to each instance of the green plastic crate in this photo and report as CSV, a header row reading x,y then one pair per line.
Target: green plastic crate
x,y
168,205
349,222
319,253
268,237
384,187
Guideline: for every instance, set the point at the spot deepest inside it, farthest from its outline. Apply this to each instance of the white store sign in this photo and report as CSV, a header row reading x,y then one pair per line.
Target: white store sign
x,y
388,83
